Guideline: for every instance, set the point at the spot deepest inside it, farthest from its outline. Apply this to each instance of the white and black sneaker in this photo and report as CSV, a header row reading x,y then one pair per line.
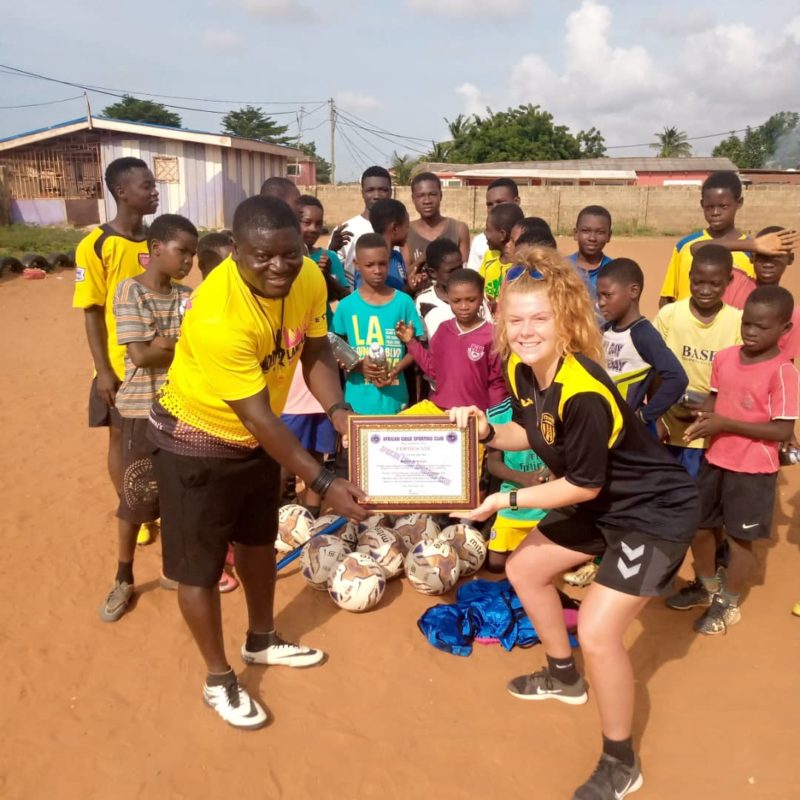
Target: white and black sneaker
x,y
543,685
280,653
612,779
235,706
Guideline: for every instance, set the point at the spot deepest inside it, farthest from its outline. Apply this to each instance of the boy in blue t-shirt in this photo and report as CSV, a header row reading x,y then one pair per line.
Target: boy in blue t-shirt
x,y
369,316
515,469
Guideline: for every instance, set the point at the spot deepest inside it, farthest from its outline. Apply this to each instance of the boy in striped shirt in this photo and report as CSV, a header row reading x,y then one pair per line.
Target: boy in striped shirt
x,y
148,310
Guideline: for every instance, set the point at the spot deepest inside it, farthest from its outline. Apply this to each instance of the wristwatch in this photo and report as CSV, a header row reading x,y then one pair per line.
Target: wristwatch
x,y
512,500
338,407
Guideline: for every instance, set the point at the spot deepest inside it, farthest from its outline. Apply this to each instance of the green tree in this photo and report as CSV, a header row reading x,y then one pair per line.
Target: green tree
x,y
524,133
135,110
672,143
768,145
323,166
440,151
253,123
403,168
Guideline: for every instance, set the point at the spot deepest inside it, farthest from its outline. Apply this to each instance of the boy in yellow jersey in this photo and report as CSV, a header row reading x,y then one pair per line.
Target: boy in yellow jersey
x,y
500,223
220,443
696,329
104,258
720,199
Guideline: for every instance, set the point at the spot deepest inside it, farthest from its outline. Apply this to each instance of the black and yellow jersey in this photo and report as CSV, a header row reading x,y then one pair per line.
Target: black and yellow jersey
x,y
585,432
103,259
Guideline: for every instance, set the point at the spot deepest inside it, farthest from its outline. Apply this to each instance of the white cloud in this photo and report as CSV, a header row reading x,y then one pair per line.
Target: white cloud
x,y
357,102
469,8
721,77
221,39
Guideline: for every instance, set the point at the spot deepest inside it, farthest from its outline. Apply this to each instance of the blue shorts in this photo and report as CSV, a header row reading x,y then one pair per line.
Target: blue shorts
x,y
314,431
690,458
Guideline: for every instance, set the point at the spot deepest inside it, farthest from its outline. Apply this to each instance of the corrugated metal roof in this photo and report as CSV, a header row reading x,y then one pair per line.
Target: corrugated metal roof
x,y
551,174
149,129
637,164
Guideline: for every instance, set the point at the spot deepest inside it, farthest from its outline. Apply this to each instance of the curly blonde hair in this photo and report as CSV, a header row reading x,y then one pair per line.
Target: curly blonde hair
x,y
576,323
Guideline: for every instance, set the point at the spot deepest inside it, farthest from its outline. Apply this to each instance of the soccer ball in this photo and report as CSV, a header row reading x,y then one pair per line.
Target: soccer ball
x,y
432,566
469,544
320,557
382,545
412,528
379,521
348,533
358,583
294,527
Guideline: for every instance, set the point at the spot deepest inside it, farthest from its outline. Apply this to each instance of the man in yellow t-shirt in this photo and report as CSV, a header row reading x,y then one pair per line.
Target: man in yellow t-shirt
x,y
259,315
696,329
104,258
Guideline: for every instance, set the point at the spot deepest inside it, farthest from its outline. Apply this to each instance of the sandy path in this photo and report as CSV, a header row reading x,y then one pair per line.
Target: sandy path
x,y
89,710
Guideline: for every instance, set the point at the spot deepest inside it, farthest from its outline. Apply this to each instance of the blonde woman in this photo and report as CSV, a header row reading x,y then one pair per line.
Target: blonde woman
x,y
614,492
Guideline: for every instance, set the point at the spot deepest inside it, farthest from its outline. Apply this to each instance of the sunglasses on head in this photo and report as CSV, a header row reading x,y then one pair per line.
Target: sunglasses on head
x,y
520,269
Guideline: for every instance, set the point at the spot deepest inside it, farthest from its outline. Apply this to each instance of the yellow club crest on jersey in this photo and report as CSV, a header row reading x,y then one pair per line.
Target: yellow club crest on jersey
x,y
547,425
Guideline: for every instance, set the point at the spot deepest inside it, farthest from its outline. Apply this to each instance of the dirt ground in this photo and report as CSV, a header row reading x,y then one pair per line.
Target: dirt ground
x,y
91,710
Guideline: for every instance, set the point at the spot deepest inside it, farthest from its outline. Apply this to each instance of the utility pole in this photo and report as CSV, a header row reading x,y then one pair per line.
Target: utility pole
x,y
333,140
88,110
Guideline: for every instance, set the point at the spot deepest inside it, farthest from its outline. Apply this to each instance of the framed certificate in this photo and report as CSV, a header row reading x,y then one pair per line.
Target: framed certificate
x,y
411,464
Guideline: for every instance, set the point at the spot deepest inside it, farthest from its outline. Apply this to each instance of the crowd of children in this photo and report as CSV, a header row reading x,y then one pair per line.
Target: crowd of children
x,y
711,377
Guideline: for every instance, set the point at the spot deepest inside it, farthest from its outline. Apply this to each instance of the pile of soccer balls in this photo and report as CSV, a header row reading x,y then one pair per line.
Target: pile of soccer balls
x,y
354,563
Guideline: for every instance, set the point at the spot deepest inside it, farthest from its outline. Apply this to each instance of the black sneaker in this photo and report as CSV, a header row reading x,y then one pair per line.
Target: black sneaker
x,y
692,595
281,653
718,618
544,686
611,780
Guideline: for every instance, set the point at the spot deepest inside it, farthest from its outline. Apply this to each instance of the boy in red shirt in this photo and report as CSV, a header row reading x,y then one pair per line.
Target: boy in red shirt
x,y
460,360
751,409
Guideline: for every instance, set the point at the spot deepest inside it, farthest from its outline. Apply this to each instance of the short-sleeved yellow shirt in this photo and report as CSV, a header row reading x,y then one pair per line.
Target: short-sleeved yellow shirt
x,y
103,259
233,344
492,270
676,281
695,343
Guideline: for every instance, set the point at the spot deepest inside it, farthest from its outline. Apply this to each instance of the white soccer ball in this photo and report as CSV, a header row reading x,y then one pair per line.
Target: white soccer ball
x,y
348,533
469,544
358,583
379,521
294,527
382,545
432,566
320,557
413,528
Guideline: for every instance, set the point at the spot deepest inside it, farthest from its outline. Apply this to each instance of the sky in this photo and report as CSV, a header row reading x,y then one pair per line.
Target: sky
x,y
626,67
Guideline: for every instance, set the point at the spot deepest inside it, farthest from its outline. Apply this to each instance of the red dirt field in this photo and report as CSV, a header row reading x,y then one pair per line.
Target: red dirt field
x,y
91,710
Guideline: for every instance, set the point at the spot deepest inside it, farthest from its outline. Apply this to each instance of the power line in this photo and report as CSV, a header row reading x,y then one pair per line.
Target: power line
x,y
385,138
48,103
363,157
364,139
121,94
382,130
360,161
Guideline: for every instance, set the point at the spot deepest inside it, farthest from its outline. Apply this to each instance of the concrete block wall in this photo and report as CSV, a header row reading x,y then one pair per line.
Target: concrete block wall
x,y
671,210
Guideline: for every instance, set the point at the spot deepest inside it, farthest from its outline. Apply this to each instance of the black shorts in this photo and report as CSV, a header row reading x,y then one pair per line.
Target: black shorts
x,y
632,562
207,503
138,502
100,414
741,501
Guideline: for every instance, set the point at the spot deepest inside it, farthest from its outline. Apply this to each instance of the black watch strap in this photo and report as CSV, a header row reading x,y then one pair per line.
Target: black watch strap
x,y
512,500
338,407
489,435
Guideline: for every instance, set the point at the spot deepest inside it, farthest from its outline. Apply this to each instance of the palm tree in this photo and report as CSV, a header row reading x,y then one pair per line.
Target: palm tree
x,y
439,151
459,126
672,143
402,167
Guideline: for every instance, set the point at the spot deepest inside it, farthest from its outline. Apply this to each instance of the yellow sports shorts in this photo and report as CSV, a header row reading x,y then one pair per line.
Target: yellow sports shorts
x,y
508,534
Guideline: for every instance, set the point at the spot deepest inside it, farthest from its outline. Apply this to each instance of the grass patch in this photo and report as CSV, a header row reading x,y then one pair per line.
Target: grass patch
x,y
17,240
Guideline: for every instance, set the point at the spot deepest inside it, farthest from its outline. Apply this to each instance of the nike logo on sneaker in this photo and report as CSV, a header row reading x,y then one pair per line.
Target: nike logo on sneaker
x,y
747,527
622,792
546,691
